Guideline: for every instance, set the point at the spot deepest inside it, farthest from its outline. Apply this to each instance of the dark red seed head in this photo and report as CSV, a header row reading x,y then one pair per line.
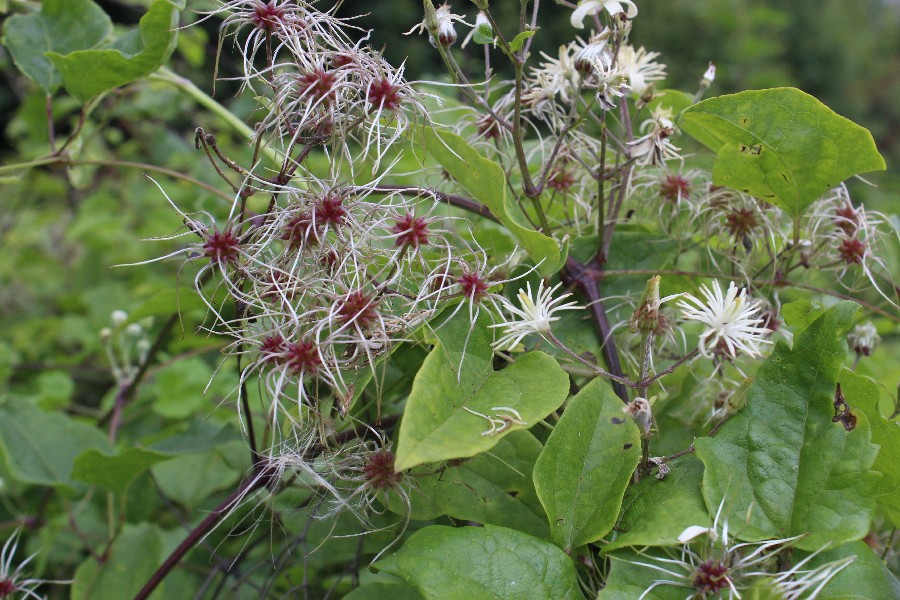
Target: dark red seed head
x,y
741,222
852,250
561,180
711,577
382,93
302,357
222,247
8,586
411,231
846,219
330,210
273,348
300,230
488,127
379,470
473,285
358,308
674,187
318,83
341,60
268,16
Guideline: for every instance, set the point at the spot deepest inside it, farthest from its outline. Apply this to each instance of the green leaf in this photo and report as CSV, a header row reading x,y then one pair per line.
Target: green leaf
x,y
191,479
87,73
61,26
384,591
861,394
483,34
486,182
800,314
200,436
780,145
517,42
585,466
657,512
41,447
471,563
436,425
494,488
864,579
629,580
114,473
131,560
781,467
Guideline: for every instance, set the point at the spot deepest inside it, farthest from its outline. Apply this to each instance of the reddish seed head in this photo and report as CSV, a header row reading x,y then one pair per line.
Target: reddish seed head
x,y
222,247
740,222
674,187
302,357
273,348
341,60
359,308
267,16
852,250
379,470
846,219
8,586
330,211
488,127
711,577
411,231
300,230
561,180
473,285
385,94
318,83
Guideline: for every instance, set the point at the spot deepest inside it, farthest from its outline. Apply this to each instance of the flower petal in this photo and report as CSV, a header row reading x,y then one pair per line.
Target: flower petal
x,y
587,7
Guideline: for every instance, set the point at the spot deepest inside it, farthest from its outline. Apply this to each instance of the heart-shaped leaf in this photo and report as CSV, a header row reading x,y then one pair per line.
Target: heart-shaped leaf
x,y
61,26
457,383
86,73
780,145
585,466
446,563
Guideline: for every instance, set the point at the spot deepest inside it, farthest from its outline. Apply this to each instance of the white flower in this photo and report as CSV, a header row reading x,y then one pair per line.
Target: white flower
x,y
731,325
558,75
710,75
655,147
534,316
714,567
641,68
592,7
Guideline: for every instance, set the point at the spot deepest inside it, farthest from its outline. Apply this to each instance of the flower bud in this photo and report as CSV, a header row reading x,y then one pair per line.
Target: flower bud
x,y
863,339
710,75
134,330
641,413
105,334
119,317
646,317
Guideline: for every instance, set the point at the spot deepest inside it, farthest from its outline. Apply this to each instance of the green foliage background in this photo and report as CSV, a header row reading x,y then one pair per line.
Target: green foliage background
x,y
64,230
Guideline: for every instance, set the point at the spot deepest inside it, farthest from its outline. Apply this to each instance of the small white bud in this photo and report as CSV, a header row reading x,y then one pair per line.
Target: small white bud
x,y
710,74
119,317
639,410
134,330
